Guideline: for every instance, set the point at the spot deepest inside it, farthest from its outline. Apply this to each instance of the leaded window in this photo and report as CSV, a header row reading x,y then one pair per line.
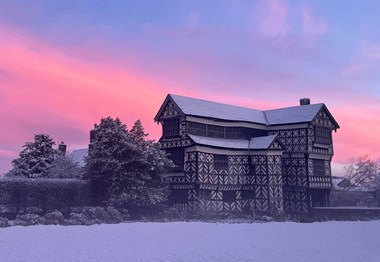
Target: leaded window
x,y
220,162
319,167
247,194
179,196
233,132
171,127
216,131
229,196
322,135
204,194
177,156
197,129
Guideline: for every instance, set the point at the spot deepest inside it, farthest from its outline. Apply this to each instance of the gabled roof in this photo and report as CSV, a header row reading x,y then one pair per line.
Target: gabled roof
x,y
294,114
288,115
197,107
79,155
262,142
256,143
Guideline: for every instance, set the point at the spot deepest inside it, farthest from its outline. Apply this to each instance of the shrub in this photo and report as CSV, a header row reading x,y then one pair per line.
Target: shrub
x,y
97,215
173,214
4,222
54,218
79,219
28,220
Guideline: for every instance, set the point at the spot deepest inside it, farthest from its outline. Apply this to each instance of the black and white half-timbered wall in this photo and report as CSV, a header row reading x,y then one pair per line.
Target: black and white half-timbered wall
x,y
231,158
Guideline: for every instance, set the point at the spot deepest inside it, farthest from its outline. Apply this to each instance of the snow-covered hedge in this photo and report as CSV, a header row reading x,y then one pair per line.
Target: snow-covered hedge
x,y
20,195
4,222
86,216
98,215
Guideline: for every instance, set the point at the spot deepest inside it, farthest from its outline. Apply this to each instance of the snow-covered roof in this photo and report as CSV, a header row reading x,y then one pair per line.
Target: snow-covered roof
x,y
287,115
255,143
198,107
261,142
78,155
294,114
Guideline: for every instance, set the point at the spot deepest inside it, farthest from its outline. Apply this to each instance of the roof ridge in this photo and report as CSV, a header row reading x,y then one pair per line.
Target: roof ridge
x,y
213,102
288,107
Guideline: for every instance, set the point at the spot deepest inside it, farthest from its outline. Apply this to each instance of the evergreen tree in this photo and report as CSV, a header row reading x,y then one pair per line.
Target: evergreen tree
x,y
138,134
126,171
35,159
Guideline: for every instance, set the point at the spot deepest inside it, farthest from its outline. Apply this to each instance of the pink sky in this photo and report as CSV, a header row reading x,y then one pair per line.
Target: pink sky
x,y
60,79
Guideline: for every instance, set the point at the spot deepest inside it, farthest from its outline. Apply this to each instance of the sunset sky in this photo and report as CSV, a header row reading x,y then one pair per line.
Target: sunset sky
x,y
66,64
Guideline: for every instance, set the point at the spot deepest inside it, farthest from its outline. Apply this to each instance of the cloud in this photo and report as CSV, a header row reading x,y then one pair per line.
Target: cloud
x,y
313,26
355,137
192,20
353,70
52,92
370,51
273,18
62,89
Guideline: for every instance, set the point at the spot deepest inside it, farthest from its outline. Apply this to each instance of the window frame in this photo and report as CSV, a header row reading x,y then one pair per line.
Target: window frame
x,y
215,131
229,196
177,155
221,162
233,132
197,129
179,196
247,194
319,167
322,135
171,127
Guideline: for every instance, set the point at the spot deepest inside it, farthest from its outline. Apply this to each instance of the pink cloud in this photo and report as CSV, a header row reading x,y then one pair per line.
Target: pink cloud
x,y
356,135
48,91
273,18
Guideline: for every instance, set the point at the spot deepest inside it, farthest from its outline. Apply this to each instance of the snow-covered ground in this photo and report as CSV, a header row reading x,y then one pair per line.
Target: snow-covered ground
x,y
194,241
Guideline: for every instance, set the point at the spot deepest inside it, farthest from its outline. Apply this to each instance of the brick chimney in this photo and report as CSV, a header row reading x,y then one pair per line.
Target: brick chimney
x,y
62,148
304,101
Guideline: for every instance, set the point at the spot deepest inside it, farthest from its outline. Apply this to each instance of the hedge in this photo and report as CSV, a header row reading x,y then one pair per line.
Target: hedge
x,y
40,196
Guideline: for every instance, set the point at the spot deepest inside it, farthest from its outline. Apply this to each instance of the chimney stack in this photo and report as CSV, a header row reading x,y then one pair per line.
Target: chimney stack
x,y
62,148
304,101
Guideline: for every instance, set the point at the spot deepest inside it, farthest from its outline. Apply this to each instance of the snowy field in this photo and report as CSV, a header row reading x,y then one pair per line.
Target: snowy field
x,y
194,241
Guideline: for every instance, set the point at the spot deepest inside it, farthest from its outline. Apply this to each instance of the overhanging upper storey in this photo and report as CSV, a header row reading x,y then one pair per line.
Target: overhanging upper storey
x,y
255,143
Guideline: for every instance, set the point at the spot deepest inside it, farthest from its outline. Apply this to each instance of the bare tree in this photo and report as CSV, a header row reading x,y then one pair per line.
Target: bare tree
x,y
364,173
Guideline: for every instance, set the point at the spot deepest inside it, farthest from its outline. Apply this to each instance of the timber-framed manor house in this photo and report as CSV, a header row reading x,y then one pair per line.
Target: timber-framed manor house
x,y
231,158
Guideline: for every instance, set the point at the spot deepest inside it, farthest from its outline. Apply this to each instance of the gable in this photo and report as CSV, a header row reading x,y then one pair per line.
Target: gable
x,y
324,118
277,145
168,110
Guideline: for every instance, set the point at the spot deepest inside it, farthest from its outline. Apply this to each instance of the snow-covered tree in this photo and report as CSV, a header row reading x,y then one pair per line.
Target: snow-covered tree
x,y
138,134
35,159
363,173
125,171
64,166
